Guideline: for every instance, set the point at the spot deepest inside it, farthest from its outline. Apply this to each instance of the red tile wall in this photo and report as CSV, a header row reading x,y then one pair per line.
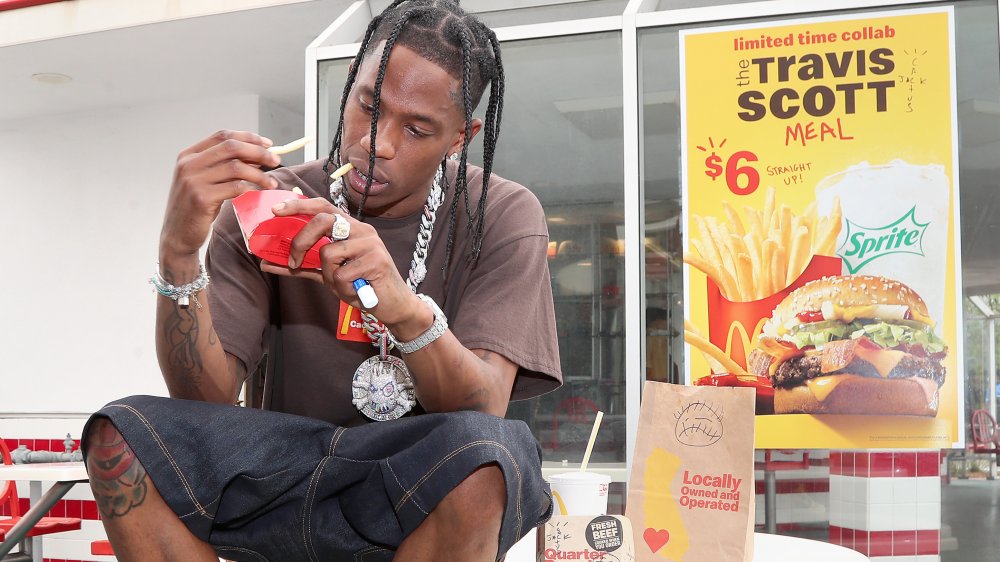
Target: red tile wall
x,y
885,464
84,509
41,444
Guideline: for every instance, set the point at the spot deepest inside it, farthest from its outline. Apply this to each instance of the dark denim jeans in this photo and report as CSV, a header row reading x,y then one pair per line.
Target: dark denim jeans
x,y
266,486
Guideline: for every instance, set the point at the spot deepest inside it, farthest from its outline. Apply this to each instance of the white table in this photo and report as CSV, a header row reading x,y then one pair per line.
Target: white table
x,y
65,475
778,548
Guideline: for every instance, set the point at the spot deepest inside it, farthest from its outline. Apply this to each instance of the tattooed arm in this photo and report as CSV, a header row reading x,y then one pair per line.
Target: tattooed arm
x,y
192,360
207,174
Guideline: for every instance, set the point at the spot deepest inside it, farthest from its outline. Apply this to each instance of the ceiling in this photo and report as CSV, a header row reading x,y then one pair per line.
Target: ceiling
x,y
238,52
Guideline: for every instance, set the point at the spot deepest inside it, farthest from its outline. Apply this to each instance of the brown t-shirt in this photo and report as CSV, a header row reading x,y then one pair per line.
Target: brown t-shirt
x,y
504,304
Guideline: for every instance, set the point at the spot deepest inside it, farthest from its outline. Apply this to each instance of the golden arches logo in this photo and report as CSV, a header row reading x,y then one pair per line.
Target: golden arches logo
x,y
746,339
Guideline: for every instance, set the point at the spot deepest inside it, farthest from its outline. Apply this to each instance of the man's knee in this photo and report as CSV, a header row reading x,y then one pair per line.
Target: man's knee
x,y
479,499
471,515
99,434
117,478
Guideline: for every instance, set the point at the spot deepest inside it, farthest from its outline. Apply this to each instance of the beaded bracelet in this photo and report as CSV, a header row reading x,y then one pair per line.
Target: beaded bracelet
x,y
184,293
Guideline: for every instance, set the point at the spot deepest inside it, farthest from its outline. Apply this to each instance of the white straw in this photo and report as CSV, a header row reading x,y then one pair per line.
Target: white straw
x,y
590,444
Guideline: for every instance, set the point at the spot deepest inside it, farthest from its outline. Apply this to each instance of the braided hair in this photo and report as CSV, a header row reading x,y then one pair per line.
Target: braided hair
x,y
443,33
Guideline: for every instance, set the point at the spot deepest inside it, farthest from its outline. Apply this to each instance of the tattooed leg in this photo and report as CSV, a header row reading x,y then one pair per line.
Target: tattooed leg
x,y
118,480
140,525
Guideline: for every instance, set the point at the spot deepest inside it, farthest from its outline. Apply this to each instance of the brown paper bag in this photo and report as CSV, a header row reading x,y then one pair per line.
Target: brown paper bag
x,y
587,537
691,490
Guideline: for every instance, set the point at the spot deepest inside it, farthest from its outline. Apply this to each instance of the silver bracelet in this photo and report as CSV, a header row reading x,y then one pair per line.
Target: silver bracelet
x,y
184,293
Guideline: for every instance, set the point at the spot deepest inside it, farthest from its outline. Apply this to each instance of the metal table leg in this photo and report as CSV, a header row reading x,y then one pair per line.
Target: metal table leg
x,y
770,502
33,546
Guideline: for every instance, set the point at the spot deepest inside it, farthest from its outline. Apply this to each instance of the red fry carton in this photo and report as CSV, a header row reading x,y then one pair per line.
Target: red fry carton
x,y
732,326
269,237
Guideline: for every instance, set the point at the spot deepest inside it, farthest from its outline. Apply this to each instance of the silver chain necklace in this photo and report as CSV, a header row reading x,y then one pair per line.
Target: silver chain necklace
x,y
382,388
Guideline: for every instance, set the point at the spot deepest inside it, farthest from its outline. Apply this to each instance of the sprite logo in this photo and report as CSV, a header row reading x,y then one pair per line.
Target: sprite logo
x,y
862,245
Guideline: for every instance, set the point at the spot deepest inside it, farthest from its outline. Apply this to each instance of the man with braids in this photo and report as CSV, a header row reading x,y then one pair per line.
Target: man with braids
x,y
464,323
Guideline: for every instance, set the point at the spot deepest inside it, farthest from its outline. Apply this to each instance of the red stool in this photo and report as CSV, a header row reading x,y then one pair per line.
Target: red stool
x,y
102,548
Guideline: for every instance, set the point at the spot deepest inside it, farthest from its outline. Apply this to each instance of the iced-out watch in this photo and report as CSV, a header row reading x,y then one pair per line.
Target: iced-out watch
x,y
437,329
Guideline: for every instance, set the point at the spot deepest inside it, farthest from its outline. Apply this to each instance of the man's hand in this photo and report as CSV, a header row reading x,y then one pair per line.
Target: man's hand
x,y
449,377
363,255
194,364
208,173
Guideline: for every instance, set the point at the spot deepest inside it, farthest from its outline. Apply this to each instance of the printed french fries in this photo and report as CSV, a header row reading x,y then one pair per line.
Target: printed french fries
x,y
756,255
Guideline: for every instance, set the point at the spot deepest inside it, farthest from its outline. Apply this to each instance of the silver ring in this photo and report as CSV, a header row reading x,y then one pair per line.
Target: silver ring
x,y
341,228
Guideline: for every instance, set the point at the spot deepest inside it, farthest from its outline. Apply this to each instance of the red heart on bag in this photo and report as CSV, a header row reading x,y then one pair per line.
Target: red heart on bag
x,y
656,538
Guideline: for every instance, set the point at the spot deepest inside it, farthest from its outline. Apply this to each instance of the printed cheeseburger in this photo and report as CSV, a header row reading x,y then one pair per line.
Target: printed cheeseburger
x,y
854,344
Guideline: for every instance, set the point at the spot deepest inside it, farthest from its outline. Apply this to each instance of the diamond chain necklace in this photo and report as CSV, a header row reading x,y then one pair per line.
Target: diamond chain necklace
x,y
382,389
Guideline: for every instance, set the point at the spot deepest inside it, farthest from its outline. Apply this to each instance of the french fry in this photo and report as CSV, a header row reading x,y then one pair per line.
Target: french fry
x,y
711,350
709,250
727,272
714,365
744,267
753,219
290,147
779,266
767,274
737,245
736,248
784,223
809,218
734,219
821,227
718,230
798,256
719,236
704,266
696,244
726,286
341,171
768,208
757,275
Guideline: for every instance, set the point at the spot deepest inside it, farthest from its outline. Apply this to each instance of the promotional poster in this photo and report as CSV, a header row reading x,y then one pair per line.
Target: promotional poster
x,y
821,226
